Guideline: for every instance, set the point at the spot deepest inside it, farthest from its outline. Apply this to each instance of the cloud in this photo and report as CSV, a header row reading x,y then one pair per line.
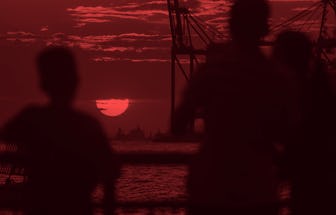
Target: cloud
x,y
118,49
290,1
20,33
44,28
20,36
131,44
299,9
148,5
211,8
147,30
131,11
134,60
125,37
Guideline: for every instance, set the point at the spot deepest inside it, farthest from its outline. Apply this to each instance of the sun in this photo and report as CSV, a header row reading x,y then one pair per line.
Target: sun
x,y
112,107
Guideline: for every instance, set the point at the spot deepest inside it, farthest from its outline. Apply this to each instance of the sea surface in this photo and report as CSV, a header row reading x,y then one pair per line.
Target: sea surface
x,y
149,182
153,182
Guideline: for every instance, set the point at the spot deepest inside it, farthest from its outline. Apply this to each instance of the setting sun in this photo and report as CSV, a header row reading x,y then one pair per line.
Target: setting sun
x,y
112,107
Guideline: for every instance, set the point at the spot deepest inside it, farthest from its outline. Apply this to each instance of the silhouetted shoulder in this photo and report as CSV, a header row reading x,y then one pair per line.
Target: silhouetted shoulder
x,y
17,128
220,52
36,125
86,119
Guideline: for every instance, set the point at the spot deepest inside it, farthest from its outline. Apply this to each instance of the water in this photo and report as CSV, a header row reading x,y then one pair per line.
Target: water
x,y
148,183
151,183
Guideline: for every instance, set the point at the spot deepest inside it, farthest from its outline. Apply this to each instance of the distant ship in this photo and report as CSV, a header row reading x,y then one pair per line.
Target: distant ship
x,y
136,134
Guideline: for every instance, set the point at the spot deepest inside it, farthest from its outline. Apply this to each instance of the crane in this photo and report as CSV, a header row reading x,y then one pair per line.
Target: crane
x,y
191,36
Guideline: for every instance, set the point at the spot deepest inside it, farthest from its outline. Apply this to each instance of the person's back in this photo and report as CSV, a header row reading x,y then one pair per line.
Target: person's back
x,y
241,93
67,153
309,155
235,161
238,95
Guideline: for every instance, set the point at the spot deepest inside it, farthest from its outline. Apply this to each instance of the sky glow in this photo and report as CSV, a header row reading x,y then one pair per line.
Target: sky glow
x,y
122,48
97,26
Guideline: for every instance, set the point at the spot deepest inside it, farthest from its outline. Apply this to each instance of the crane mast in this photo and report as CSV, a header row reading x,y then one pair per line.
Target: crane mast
x,y
184,27
189,32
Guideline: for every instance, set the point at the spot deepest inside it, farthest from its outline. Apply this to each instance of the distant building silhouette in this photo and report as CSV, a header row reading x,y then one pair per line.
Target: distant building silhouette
x,y
120,134
136,134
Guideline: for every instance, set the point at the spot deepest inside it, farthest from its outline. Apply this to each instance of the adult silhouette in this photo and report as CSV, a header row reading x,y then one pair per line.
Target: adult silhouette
x,y
309,156
67,153
240,99
292,57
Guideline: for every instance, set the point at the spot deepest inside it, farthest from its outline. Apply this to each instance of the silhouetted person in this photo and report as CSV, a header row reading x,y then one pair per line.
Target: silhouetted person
x,y
292,56
309,157
67,152
240,99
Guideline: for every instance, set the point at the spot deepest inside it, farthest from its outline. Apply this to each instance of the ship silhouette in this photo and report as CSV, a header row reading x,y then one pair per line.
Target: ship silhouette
x,y
136,134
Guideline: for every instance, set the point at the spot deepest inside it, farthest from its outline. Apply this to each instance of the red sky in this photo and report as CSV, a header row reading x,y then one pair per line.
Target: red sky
x,y
122,49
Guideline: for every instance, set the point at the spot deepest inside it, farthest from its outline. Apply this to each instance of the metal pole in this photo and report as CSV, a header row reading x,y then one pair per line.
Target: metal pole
x,y
322,29
172,81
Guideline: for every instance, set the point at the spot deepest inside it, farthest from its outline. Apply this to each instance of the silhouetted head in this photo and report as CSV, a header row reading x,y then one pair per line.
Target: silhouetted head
x,y
58,74
249,20
293,49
